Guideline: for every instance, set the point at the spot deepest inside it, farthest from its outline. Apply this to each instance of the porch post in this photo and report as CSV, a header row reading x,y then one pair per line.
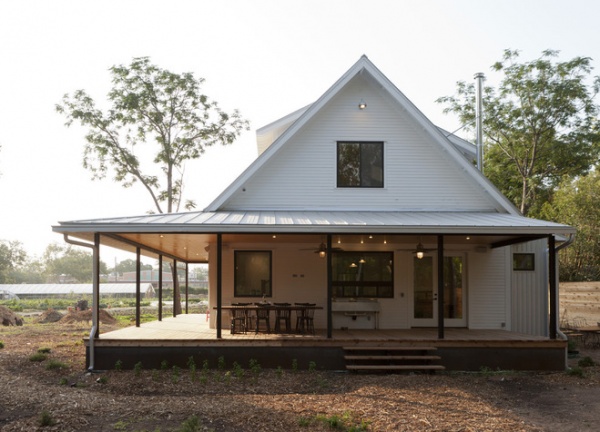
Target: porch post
x,y
175,282
219,283
329,288
160,287
553,285
187,280
96,286
137,286
440,288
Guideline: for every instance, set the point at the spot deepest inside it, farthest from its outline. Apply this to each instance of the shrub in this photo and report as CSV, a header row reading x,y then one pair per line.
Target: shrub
x,y
56,364
137,368
1,344
46,419
586,362
118,365
38,357
44,350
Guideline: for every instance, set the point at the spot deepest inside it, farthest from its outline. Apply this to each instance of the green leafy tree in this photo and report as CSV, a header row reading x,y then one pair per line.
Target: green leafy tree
x,y
12,258
539,125
153,112
576,203
66,264
130,265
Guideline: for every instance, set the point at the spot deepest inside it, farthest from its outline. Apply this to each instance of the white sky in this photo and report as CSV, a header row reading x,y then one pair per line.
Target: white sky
x,y
266,58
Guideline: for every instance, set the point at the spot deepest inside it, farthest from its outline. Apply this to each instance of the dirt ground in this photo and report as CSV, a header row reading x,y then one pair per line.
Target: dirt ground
x,y
57,392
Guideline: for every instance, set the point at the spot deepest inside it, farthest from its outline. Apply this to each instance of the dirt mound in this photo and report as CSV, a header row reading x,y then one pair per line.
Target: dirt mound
x,y
9,318
50,316
86,315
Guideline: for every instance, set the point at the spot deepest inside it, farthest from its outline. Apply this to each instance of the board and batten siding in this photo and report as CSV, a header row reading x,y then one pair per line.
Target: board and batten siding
x,y
418,174
530,292
488,290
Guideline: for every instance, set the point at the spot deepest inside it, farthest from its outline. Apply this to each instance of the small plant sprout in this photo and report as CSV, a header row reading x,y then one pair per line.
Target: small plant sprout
x,y
118,365
137,368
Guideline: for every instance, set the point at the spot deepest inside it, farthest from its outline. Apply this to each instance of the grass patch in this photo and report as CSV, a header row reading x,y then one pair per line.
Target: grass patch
x,y
56,364
586,362
46,419
38,357
44,350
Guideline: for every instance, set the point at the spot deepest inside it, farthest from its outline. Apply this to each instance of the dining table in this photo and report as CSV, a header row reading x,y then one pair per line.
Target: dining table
x,y
270,307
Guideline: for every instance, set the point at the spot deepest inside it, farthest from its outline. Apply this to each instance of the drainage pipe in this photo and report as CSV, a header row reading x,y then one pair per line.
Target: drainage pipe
x,y
95,288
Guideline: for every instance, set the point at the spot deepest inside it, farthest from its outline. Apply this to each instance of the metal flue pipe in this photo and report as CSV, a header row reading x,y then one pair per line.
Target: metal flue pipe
x,y
479,119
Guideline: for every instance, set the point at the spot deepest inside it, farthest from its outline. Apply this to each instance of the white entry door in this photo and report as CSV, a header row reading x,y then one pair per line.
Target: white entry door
x,y
425,291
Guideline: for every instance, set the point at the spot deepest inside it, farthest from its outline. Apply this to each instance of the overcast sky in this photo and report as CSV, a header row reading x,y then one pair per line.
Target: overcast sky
x,y
265,58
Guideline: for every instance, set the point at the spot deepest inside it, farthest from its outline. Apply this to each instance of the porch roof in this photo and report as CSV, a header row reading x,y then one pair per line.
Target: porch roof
x,y
185,235
261,221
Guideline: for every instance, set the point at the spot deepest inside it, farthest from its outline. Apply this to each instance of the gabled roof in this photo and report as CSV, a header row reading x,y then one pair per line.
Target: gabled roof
x,y
365,66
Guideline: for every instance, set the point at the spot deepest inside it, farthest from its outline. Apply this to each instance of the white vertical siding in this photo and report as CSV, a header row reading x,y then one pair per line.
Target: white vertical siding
x,y
417,174
530,291
488,289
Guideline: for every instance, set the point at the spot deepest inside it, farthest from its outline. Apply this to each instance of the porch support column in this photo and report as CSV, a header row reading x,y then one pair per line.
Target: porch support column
x,y
187,280
160,287
219,283
175,282
329,288
440,287
553,285
137,285
96,286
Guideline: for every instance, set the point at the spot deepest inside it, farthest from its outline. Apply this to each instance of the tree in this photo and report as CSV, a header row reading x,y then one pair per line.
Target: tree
x,y
539,126
576,203
12,257
156,112
65,264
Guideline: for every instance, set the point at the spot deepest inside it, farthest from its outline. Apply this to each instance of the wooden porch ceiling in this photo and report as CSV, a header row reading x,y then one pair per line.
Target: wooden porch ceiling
x,y
194,247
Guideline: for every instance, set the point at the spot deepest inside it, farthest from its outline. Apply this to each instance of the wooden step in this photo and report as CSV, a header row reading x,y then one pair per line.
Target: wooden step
x,y
392,357
395,367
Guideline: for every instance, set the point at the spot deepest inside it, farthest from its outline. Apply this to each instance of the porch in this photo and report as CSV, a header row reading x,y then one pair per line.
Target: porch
x,y
178,339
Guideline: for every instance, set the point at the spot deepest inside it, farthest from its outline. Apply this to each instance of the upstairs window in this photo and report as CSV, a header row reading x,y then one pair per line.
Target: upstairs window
x,y
360,164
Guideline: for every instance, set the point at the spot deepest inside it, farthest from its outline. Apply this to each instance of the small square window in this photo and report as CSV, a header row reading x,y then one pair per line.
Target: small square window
x,y
524,262
360,164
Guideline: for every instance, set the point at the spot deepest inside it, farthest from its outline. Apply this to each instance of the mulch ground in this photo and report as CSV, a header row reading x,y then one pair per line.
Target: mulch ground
x,y
248,399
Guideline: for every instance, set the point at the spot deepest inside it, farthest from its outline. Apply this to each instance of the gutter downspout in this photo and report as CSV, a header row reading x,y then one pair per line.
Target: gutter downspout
x,y
569,241
95,288
563,336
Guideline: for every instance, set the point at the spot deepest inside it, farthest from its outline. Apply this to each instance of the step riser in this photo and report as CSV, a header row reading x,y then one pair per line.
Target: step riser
x,y
363,358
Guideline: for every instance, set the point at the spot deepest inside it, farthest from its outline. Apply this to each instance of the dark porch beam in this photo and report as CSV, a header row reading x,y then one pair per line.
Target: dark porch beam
x,y
552,285
516,240
219,283
96,285
138,296
187,280
440,287
329,288
160,287
175,282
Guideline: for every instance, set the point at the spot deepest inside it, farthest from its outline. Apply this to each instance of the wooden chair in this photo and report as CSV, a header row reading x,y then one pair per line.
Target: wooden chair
x,y
305,318
262,314
282,313
239,320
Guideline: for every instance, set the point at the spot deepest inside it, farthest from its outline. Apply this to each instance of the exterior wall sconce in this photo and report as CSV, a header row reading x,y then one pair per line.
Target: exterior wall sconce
x,y
362,104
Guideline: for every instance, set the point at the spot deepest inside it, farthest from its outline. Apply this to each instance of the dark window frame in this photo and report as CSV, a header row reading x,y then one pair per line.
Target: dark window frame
x,y
363,183
262,291
524,261
371,288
